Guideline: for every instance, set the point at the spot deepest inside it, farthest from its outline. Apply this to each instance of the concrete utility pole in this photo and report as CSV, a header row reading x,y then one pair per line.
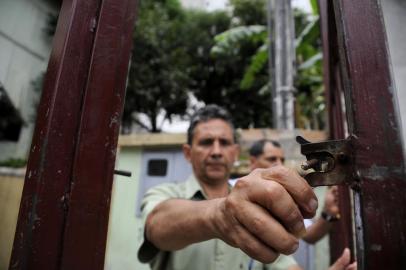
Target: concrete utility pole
x,y
282,69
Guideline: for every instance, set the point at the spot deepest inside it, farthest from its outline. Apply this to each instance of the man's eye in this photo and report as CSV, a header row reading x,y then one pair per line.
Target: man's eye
x,y
206,142
224,142
272,159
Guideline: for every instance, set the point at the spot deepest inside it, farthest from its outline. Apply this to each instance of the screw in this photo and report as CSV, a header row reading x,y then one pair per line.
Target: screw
x,y
310,164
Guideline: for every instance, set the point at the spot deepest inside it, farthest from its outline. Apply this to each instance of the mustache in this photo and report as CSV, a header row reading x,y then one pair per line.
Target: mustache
x,y
216,162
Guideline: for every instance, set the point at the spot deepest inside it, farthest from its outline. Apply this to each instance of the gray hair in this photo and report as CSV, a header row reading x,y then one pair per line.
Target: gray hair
x,y
209,112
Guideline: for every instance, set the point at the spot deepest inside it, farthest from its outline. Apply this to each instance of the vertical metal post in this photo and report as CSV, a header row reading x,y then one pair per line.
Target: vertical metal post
x,y
373,120
284,58
65,204
271,47
341,235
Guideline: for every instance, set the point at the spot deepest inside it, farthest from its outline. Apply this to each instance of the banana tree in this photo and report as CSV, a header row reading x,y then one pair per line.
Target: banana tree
x,y
310,103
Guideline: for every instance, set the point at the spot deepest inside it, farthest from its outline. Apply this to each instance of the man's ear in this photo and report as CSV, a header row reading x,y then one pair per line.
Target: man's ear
x,y
237,151
186,151
253,161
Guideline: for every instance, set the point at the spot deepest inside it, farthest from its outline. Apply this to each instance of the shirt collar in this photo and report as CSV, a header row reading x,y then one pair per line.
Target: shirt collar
x,y
194,191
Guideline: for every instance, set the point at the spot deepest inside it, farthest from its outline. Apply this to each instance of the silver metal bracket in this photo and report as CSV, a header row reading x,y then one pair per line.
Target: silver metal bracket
x,y
331,161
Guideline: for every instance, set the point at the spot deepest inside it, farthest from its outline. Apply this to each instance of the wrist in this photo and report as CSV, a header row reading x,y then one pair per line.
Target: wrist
x,y
214,217
329,217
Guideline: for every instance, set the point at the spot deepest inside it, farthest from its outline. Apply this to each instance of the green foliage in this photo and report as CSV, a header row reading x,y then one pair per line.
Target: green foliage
x,y
249,12
228,41
219,76
308,82
315,7
310,101
227,44
221,58
13,163
173,56
157,79
258,61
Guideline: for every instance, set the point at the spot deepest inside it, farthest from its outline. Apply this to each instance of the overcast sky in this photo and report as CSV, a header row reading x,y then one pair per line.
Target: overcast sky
x,y
221,4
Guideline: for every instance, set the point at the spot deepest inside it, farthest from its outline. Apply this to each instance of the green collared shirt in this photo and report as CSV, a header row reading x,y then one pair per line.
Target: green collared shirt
x,y
213,254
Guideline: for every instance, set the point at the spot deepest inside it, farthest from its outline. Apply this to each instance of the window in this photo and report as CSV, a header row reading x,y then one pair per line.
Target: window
x,y
157,167
10,119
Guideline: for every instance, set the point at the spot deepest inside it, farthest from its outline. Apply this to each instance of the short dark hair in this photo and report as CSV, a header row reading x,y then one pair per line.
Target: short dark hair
x,y
209,112
257,147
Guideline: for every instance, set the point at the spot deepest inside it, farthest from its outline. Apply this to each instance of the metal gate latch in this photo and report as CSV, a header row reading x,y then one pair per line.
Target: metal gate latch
x,y
330,160
122,173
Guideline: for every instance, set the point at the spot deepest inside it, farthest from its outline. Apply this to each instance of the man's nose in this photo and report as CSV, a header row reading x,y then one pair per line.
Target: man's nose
x,y
278,161
216,149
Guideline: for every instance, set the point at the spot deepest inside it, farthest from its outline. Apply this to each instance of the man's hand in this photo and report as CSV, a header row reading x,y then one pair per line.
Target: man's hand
x,y
322,226
263,214
343,263
331,202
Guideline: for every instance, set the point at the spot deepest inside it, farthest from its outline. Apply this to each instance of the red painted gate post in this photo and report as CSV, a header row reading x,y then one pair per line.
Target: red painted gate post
x,y
341,235
64,209
373,121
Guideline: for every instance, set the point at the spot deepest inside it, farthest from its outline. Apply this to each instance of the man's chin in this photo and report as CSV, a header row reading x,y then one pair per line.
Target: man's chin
x,y
217,176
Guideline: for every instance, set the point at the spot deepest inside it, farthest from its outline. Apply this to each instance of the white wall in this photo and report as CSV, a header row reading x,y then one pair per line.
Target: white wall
x,y
24,53
395,19
125,231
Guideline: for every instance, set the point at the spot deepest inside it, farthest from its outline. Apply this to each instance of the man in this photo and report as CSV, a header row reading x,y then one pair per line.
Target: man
x,y
267,153
204,224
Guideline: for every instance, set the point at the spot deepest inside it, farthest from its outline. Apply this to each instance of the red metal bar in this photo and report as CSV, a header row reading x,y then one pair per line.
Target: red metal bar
x,y
372,117
341,233
73,150
97,141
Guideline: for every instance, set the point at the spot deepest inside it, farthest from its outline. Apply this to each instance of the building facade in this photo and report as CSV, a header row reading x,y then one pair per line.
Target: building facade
x,y
24,51
394,12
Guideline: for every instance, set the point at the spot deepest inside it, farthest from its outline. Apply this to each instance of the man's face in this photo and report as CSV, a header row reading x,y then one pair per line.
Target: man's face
x,y
271,156
213,151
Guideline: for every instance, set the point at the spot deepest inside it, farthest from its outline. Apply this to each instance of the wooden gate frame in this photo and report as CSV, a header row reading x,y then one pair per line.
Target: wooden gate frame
x,y
64,209
357,66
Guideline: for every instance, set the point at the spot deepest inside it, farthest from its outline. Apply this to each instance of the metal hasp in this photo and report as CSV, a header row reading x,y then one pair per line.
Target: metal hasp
x,y
330,160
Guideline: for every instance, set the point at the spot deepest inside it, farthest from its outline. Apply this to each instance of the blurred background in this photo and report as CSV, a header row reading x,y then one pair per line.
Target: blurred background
x,y
186,53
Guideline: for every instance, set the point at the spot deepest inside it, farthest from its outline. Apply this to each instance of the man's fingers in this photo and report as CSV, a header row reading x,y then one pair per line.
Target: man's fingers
x,y
258,222
269,204
251,245
273,197
352,266
296,186
343,262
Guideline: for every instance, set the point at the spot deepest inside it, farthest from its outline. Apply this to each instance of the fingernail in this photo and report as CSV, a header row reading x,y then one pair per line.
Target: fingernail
x,y
294,248
299,230
312,206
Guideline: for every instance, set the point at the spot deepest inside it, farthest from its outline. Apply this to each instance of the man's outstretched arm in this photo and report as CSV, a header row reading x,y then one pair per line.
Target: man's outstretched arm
x,y
263,216
322,226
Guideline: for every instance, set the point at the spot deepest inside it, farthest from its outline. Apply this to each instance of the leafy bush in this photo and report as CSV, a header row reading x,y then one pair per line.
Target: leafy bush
x,y
13,163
